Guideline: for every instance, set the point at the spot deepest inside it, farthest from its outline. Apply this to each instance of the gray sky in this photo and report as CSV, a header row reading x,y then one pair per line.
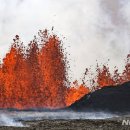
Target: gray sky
x,y
94,29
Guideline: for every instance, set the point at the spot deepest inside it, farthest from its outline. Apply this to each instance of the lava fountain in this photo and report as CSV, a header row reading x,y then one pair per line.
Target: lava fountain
x,y
36,76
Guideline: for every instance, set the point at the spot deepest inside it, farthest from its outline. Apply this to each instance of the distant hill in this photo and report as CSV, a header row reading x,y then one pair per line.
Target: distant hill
x,y
111,98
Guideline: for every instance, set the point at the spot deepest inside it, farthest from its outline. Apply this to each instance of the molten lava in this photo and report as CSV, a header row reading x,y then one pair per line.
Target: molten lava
x,y
75,93
36,76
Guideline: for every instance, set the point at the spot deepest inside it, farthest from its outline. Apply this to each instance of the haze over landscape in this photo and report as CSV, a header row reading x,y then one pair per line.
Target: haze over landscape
x,y
93,30
65,64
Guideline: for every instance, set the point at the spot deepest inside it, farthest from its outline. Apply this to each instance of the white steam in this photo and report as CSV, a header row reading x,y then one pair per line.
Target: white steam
x,y
25,116
13,118
6,120
94,29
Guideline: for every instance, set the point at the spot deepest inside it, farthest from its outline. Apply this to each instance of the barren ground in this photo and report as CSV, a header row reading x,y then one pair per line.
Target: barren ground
x,y
109,124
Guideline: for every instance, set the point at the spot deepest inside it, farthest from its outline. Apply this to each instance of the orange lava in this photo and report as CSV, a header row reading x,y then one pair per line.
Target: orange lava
x,y
75,93
36,76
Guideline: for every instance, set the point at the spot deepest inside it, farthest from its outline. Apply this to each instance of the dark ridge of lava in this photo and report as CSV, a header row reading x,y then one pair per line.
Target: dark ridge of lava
x,y
111,99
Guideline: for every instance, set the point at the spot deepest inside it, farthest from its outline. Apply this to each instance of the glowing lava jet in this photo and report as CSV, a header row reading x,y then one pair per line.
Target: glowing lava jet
x,y
36,76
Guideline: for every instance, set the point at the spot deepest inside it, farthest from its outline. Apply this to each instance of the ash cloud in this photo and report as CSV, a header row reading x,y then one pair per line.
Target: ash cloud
x,y
94,30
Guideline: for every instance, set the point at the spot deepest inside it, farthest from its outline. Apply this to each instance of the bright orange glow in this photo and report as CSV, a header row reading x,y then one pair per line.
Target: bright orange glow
x,y
104,77
75,93
36,76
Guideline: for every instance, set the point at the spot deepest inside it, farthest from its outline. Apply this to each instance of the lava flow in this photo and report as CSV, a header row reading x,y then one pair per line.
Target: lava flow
x,y
36,76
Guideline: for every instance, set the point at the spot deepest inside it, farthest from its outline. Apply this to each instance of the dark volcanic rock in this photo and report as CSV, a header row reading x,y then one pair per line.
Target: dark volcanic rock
x,y
71,125
112,99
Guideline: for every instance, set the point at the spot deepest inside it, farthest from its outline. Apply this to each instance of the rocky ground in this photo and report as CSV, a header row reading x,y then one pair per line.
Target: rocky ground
x,y
109,124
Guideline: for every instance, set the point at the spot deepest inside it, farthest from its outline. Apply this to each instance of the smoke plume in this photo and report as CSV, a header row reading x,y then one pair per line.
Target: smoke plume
x,y
94,30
